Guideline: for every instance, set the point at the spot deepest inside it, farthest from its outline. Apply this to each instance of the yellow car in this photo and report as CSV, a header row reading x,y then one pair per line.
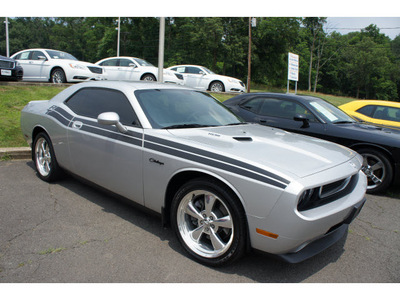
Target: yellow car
x,y
385,113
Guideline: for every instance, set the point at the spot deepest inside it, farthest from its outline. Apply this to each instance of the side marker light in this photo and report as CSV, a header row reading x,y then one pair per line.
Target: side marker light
x,y
266,233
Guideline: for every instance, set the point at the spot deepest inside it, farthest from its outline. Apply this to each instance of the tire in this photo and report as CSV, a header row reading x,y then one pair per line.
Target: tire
x,y
148,77
378,169
217,86
58,76
45,159
214,231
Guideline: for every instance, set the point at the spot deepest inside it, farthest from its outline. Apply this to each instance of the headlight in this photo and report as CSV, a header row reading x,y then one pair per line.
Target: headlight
x,y
232,80
77,66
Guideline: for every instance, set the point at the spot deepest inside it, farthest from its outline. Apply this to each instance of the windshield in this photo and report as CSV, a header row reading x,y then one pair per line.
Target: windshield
x,y
329,112
209,71
143,63
60,55
183,109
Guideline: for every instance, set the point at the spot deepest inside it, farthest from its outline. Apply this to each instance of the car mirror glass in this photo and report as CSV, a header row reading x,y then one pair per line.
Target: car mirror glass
x,y
302,118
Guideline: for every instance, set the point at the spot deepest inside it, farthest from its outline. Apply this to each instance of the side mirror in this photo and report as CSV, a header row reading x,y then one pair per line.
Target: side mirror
x,y
202,73
42,57
302,118
132,65
111,118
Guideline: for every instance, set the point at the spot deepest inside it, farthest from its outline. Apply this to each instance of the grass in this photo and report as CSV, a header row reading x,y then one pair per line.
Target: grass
x,y
12,100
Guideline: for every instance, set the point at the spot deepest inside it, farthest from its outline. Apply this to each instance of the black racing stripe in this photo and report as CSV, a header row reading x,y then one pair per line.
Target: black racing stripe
x,y
215,156
213,163
127,138
58,117
63,112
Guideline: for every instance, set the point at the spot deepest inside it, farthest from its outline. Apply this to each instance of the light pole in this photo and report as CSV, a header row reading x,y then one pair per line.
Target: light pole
x,y
161,49
7,41
119,33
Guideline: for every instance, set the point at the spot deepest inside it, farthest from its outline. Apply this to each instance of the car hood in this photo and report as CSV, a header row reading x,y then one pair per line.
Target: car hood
x,y
372,133
269,148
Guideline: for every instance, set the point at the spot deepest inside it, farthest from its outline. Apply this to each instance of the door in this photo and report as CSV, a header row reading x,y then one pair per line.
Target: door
x,y
128,70
100,153
112,69
195,78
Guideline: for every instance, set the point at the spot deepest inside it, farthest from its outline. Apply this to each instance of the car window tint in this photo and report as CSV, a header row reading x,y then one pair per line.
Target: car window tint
x,y
387,113
23,55
367,110
37,54
193,70
253,105
90,102
123,62
110,63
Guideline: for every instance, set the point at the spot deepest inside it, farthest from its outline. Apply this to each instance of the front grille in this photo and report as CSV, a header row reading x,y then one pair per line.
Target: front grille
x,y
6,64
327,193
179,76
96,70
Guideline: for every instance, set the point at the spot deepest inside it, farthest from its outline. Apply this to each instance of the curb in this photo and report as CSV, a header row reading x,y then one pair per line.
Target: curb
x,y
15,153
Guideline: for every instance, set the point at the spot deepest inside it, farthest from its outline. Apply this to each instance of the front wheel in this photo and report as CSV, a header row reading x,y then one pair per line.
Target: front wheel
x,y
44,158
217,86
209,222
378,169
148,77
58,76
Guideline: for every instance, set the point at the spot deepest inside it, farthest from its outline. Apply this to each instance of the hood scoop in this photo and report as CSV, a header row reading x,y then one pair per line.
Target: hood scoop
x,y
243,138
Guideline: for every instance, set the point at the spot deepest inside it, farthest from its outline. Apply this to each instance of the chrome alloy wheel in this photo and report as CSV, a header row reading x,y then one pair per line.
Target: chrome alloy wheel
x,y
375,170
43,157
57,76
205,223
217,87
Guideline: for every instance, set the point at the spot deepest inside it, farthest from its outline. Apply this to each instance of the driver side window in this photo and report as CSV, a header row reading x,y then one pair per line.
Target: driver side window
x,y
90,102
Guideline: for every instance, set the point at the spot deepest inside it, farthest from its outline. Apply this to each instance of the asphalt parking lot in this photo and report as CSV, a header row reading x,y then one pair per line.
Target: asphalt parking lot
x,y
70,232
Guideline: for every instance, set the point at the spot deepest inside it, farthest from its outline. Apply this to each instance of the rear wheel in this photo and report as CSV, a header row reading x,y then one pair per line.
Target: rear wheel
x,y
44,158
209,222
378,169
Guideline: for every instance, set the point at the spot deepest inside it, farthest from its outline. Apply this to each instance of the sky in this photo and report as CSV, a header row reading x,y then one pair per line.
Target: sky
x,y
344,16
389,26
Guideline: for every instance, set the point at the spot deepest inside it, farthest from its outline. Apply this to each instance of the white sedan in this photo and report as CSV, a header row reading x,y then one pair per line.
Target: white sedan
x,y
56,66
201,78
135,69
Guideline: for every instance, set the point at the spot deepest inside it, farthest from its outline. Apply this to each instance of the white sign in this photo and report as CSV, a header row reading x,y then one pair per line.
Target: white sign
x,y
293,67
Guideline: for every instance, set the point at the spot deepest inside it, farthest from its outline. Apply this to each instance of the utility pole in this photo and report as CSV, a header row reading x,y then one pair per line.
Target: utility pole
x,y
249,59
119,34
161,49
252,23
7,41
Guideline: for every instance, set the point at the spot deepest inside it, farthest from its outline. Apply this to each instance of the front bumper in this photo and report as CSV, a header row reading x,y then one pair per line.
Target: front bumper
x,y
333,235
80,75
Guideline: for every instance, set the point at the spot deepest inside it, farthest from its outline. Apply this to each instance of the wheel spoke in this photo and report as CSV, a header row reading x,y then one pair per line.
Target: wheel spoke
x,y
225,222
215,241
191,210
377,166
196,234
209,201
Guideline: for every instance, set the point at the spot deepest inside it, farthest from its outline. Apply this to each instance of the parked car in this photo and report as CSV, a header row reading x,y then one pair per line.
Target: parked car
x,y
10,70
385,113
135,69
315,117
56,66
201,78
220,183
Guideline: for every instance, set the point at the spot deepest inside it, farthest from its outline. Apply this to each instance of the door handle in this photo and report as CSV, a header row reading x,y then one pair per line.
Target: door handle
x,y
77,125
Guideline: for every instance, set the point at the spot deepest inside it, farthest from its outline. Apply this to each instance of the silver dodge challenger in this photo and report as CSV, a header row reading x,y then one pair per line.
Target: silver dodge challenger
x,y
224,186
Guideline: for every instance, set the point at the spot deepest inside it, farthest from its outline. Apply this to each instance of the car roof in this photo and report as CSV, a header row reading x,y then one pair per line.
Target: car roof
x,y
300,98
360,103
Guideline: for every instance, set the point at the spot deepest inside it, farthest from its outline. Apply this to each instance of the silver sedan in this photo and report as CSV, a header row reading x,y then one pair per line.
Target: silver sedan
x,y
224,186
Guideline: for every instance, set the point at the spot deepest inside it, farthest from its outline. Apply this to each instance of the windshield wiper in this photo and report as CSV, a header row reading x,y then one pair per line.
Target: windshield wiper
x,y
186,126
239,123
343,122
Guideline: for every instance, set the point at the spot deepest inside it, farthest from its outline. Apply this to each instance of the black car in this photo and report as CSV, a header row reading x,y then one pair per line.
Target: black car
x,y
9,69
313,116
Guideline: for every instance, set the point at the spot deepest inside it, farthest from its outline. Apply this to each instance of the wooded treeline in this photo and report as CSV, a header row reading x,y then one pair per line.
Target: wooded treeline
x,y
363,64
